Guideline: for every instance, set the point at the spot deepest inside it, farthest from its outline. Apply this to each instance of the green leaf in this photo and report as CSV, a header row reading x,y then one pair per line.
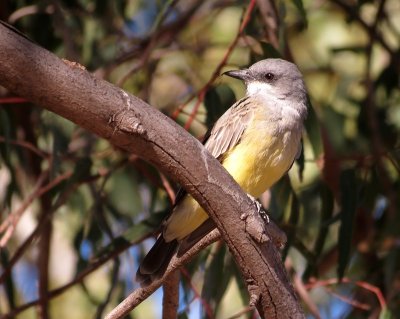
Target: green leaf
x,y
326,215
386,314
391,268
131,236
293,221
191,268
280,196
301,161
9,282
5,130
142,229
300,7
90,234
183,315
334,126
348,189
389,78
82,170
123,188
167,5
354,49
81,173
305,252
217,100
60,147
269,50
243,292
313,131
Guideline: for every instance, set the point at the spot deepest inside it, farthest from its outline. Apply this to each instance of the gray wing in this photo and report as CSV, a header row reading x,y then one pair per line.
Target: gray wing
x,y
229,129
226,133
224,136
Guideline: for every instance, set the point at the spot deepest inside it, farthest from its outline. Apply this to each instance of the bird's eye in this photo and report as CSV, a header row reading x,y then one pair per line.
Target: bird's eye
x,y
269,76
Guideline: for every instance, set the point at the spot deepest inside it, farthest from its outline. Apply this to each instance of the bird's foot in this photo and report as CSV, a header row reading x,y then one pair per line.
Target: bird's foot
x,y
258,229
261,211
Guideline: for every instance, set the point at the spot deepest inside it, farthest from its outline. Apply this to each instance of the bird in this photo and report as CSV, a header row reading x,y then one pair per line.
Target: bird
x,y
256,140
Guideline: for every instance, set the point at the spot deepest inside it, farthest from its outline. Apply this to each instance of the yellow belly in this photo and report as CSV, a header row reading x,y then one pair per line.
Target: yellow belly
x,y
255,164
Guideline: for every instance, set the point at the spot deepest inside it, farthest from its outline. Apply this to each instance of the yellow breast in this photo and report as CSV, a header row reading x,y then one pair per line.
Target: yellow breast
x,y
263,155
261,159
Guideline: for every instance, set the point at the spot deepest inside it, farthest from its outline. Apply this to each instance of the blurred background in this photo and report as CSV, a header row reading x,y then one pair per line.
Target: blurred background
x,y
77,215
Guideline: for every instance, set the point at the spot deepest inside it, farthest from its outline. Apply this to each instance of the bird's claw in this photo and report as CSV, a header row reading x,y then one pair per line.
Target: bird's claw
x,y
261,211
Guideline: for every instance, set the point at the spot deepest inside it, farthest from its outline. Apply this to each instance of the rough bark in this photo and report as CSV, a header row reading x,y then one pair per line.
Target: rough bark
x,y
131,124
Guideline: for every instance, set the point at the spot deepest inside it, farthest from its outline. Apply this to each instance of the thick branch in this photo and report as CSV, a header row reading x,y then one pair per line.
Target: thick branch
x,y
136,127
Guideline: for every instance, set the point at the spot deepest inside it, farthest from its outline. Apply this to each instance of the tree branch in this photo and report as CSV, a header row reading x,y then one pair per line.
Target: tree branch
x,y
131,124
171,296
137,296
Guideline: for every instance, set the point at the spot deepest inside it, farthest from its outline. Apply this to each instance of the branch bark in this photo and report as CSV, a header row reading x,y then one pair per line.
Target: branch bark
x,y
171,296
131,124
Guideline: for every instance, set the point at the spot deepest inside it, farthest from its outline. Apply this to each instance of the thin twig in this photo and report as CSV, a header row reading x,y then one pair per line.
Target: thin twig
x,y
305,296
334,281
217,71
141,294
197,295
113,285
378,145
11,221
43,257
30,10
9,224
79,279
171,296
39,228
168,188
26,145
352,302
13,100
353,12
163,35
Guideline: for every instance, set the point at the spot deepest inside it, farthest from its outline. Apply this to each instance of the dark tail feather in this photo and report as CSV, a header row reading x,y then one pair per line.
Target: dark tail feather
x,y
156,261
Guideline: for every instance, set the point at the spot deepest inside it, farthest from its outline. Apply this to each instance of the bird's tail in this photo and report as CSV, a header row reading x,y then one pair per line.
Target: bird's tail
x,y
156,261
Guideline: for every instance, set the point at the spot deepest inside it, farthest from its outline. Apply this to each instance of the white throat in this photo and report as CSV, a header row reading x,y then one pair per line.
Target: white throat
x,y
277,101
259,88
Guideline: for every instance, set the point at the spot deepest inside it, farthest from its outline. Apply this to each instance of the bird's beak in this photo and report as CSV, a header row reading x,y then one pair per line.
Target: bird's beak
x,y
243,74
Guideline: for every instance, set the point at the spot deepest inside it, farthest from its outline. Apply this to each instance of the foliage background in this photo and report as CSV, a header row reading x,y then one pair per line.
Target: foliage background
x,y
78,215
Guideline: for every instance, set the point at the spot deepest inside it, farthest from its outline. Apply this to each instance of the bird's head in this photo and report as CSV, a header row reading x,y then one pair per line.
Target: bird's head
x,y
274,78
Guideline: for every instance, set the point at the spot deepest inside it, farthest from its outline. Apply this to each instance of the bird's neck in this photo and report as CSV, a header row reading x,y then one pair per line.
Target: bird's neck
x,y
287,103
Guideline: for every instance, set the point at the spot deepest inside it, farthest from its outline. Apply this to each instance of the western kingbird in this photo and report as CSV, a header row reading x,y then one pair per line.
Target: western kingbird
x,y
256,140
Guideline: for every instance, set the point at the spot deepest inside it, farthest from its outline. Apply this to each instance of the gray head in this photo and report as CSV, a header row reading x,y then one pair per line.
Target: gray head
x,y
274,78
